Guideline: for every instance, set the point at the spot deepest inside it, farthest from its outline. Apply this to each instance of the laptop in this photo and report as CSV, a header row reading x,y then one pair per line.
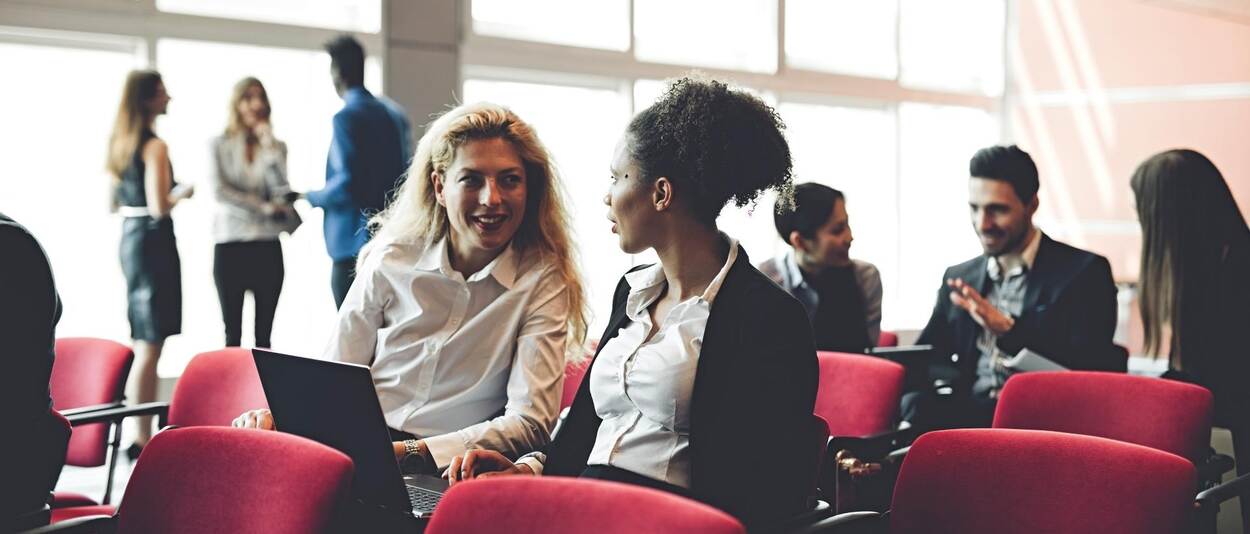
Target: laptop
x,y
916,361
335,404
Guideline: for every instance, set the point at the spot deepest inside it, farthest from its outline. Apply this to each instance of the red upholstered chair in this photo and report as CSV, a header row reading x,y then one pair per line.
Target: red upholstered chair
x,y
215,388
573,375
974,481
858,395
887,339
89,374
859,398
1162,414
557,505
229,480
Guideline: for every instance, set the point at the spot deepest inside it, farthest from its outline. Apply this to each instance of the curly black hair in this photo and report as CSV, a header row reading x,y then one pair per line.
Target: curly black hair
x,y
725,144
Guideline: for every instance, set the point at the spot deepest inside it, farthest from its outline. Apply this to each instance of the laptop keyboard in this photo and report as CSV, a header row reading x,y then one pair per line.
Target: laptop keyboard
x,y
423,499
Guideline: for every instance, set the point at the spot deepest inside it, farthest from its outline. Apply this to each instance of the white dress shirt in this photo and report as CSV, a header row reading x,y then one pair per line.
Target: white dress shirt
x,y
460,363
642,388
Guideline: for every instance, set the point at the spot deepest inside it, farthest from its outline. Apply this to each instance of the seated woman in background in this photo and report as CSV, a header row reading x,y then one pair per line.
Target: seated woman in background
x,y
250,186
1195,284
467,295
706,375
842,296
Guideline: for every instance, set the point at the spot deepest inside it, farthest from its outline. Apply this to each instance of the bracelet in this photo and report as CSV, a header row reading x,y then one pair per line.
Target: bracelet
x,y
412,447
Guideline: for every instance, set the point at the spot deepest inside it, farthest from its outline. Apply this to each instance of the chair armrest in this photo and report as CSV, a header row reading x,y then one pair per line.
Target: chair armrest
x,y
159,409
848,523
71,412
875,447
88,524
1237,487
1214,467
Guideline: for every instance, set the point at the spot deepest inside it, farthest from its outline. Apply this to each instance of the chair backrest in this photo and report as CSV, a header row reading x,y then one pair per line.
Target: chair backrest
x,y
558,505
974,481
215,388
1162,414
887,339
573,375
212,479
858,395
88,372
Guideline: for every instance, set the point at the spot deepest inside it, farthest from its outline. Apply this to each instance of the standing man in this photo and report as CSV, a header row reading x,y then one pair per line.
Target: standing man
x,y
368,154
1026,300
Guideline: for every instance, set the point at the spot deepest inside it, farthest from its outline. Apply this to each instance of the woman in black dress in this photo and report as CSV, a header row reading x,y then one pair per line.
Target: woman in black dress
x,y
1195,284
144,194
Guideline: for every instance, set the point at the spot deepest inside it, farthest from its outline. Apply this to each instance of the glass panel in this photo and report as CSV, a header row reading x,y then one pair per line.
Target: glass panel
x,y
725,34
303,101
350,15
601,24
55,182
852,150
583,151
936,143
953,46
855,37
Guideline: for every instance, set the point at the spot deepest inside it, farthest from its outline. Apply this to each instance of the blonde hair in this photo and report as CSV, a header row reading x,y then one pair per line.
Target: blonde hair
x,y
234,125
415,216
132,118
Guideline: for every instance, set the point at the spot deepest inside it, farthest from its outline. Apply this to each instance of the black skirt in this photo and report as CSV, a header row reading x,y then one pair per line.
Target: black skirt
x,y
149,256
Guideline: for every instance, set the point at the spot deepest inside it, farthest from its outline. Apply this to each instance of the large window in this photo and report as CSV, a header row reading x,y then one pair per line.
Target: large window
x,y
866,89
350,15
55,183
600,24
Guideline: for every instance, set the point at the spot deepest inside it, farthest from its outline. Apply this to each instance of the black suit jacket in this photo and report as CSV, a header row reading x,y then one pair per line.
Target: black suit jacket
x,y
1069,314
754,391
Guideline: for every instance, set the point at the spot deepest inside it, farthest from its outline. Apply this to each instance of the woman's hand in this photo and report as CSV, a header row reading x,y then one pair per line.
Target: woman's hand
x,y
482,463
261,419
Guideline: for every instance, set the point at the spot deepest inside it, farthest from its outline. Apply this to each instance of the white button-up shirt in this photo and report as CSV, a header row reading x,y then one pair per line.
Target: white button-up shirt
x,y
642,388
463,364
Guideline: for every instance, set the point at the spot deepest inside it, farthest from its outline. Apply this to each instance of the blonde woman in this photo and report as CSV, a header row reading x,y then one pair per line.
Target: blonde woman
x,y
251,187
144,193
467,298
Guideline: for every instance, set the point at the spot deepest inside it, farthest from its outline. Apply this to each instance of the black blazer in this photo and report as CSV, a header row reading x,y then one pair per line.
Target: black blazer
x,y
754,391
1069,314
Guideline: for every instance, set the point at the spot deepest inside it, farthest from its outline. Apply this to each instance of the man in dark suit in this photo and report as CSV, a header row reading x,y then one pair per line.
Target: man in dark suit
x,y
1026,300
368,154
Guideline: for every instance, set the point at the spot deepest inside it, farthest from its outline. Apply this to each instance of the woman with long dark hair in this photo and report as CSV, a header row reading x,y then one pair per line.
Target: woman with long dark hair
x,y
251,187
1195,284
144,192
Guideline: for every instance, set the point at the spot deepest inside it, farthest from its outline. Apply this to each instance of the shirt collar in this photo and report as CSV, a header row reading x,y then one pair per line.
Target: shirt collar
x,y
502,268
355,93
793,272
645,285
1015,264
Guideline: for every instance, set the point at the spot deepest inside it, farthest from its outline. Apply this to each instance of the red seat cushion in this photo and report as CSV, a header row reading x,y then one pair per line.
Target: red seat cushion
x,y
558,505
858,395
63,499
215,388
975,481
214,479
887,339
573,375
88,372
1162,414
61,514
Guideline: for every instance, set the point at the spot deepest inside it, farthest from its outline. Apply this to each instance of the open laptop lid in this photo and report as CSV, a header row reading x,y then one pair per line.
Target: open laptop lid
x,y
915,359
335,404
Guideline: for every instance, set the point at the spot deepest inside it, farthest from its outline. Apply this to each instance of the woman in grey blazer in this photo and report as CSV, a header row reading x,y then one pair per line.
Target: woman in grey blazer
x,y
250,187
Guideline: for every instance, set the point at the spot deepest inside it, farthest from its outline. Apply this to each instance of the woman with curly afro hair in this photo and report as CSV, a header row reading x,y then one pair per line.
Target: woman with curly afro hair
x,y
705,379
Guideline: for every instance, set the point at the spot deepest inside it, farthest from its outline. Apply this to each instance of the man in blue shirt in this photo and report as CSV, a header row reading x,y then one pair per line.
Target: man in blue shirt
x,y
368,154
